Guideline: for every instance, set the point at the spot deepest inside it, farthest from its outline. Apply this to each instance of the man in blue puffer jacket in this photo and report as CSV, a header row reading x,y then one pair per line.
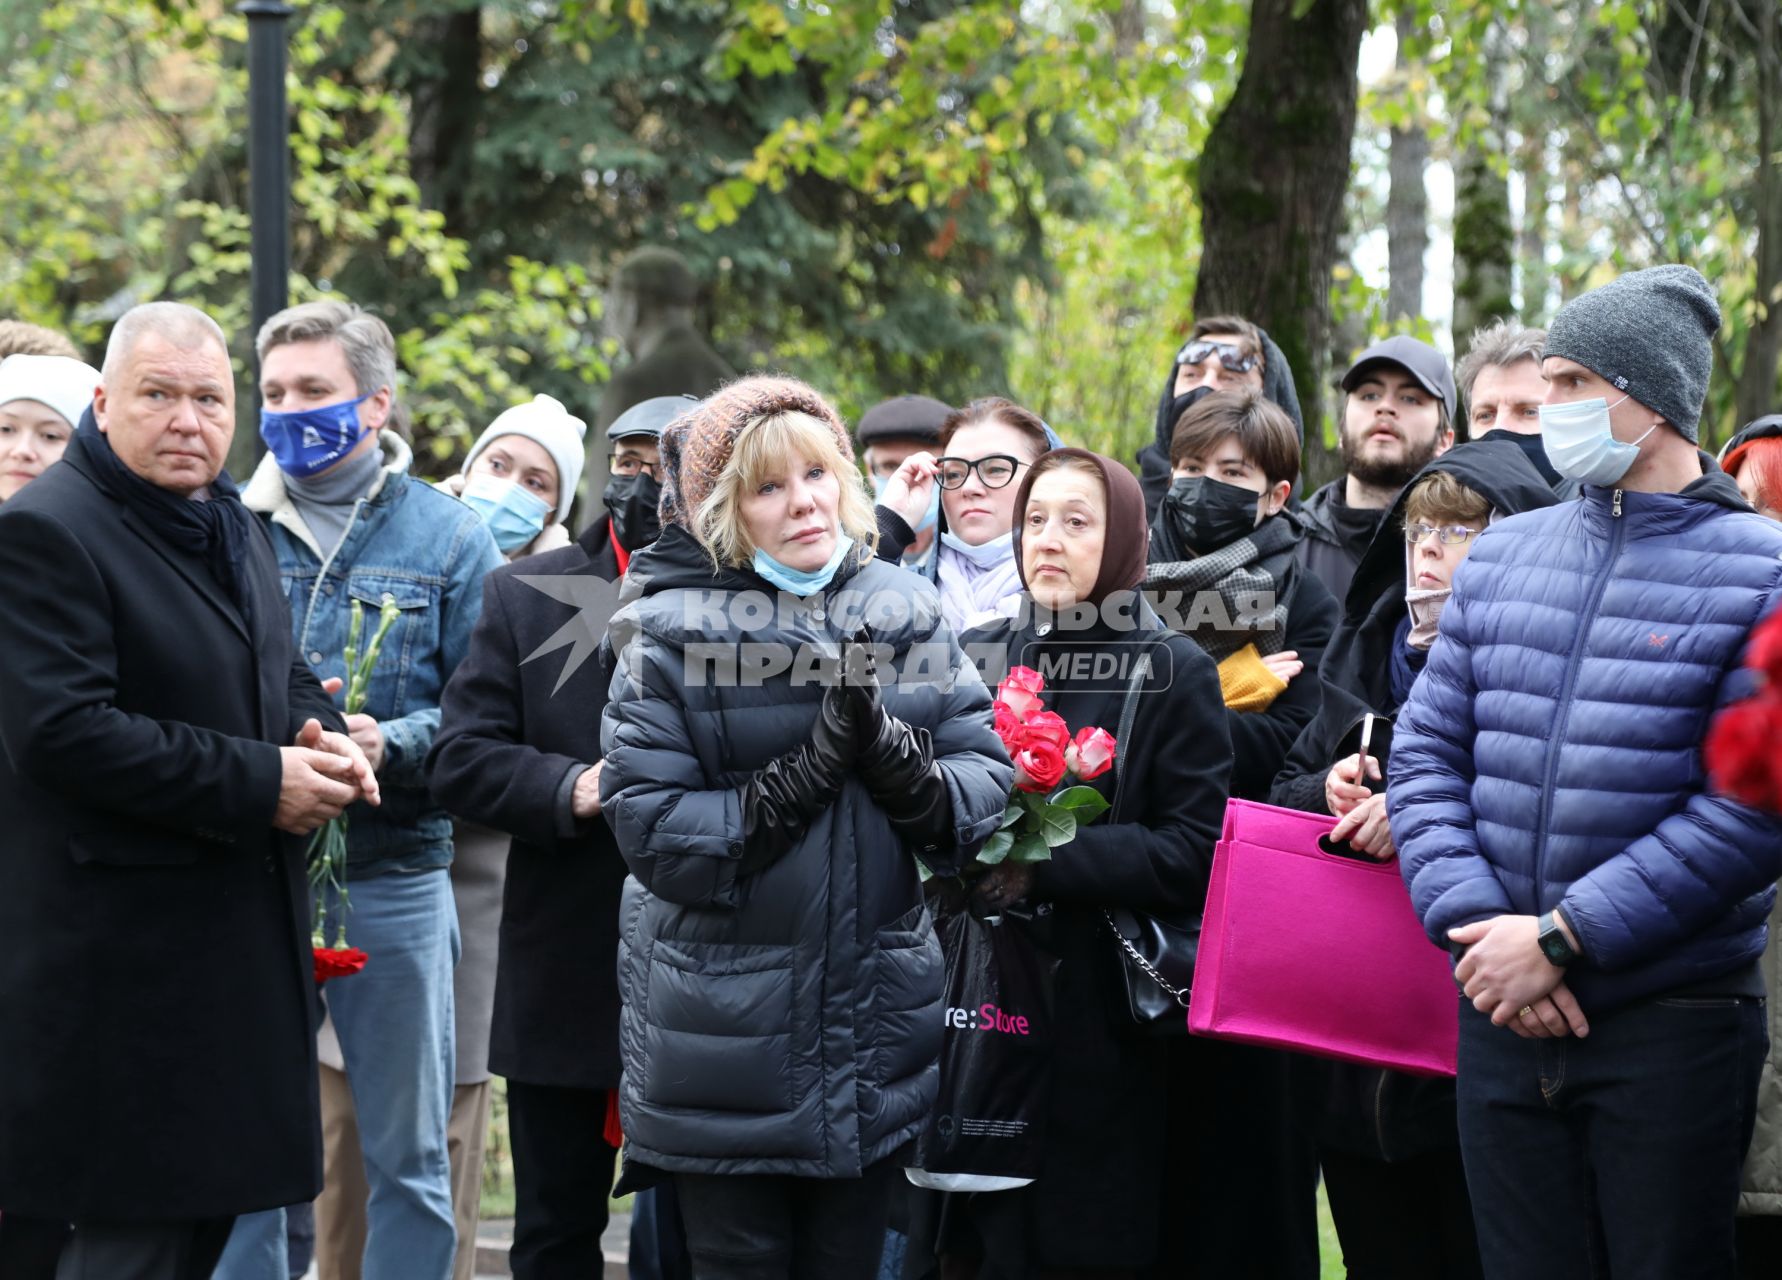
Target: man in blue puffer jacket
x,y
1554,826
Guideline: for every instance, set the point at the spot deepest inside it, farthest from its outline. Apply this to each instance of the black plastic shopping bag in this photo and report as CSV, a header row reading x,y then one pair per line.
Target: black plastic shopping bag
x,y
988,1128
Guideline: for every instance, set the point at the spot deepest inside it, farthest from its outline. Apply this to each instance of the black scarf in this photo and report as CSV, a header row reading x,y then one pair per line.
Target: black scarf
x,y
217,531
1260,564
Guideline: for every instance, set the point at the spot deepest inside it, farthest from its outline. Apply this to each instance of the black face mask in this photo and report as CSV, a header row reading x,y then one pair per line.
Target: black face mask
x,y
1170,413
1205,514
631,502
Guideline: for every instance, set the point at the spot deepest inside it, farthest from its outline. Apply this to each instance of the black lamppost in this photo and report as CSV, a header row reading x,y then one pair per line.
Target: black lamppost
x,y
269,163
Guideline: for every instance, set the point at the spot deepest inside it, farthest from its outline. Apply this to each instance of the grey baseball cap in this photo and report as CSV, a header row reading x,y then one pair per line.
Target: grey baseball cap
x,y
649,417
1422,361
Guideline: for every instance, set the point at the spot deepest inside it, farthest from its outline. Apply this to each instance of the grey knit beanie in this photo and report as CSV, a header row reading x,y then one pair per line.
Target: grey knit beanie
x,y
1650,334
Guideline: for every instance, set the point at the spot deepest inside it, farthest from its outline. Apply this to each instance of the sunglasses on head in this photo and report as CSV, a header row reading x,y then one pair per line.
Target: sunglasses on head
x,y
1198,350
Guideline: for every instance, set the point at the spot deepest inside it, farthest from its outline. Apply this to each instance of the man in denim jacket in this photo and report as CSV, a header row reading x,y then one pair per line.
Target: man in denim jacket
x,y
349,524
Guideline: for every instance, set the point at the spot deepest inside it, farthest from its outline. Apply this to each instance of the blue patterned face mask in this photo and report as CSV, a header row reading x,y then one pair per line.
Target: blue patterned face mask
x,y
309,441
515,515
1581,445
802,582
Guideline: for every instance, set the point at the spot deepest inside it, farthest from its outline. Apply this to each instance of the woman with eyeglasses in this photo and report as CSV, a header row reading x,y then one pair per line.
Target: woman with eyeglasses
x,y
986,449
1387,1142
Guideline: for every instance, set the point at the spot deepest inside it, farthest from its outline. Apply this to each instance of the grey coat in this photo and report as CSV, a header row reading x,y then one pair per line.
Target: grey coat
x,y
786,1022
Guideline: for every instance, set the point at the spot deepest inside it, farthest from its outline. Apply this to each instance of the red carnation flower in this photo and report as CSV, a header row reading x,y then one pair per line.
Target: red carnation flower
x,y
1039,766
1765,654
337,962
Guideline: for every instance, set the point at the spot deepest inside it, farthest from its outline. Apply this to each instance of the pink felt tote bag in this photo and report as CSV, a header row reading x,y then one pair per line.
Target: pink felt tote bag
x,y
1310,950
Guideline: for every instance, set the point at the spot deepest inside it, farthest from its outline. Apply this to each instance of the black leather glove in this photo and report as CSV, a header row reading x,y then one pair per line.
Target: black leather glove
x,y
896,760
1002,886
781,801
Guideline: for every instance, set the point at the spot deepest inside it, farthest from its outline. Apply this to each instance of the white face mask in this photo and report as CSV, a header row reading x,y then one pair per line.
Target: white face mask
x,y
1580,444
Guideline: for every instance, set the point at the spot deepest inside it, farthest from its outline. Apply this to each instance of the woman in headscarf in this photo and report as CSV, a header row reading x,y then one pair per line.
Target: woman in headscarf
x,y
1079,541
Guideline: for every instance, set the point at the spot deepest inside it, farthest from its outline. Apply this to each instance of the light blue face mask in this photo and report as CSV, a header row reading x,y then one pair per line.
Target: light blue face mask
x,y
515,515
928,517
802,582
1581,444
991,554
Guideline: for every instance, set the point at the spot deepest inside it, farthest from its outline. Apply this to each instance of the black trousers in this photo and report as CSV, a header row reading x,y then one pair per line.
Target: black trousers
x,y
39,1249
762,1227
563,1173
1408,1220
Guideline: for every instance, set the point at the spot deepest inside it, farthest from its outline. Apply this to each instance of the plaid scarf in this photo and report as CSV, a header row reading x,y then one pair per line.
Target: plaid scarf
x,y
1256,568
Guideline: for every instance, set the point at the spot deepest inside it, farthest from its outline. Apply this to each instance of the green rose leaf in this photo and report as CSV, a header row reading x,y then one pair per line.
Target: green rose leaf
x,y
996,848
1030,849
1057,826
1085,803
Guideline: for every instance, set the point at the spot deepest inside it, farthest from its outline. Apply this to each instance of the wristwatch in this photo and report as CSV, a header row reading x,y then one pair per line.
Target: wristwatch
x,y
1553,941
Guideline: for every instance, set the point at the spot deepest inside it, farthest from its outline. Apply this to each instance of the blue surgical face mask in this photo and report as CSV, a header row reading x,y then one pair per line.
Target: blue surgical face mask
x,y
987,556
514,514
1581,445
802,582
310,441
928,517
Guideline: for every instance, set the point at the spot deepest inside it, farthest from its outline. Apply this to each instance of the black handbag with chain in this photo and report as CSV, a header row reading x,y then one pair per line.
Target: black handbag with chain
x,y
1156,954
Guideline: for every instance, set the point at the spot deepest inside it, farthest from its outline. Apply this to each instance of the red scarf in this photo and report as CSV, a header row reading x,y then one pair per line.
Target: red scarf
x,y
623,556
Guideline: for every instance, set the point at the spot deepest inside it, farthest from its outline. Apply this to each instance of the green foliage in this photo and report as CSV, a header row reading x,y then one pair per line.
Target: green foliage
x,y
952,196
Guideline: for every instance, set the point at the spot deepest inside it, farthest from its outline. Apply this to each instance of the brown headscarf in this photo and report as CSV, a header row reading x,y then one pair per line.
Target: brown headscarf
x,y
1128,541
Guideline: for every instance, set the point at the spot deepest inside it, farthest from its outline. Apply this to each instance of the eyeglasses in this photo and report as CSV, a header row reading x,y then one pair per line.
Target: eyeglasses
x,y
1450,535
634,465
995,471
1235,359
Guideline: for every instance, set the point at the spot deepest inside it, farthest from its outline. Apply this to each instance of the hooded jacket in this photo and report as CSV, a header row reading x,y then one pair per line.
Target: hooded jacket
x,y
788,1021
1367,1111
1354,671
1337,536
1550,754
1153,459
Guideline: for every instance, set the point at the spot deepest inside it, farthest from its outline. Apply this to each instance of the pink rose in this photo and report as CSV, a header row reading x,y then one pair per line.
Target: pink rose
x,y
1091,754
1008,727
1039,766
1020,689
1046,726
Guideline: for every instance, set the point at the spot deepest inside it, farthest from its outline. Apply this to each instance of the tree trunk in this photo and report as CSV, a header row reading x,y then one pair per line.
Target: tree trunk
x,y
1407,203
1536,279
1272,180
1484,239
444,82
1756,393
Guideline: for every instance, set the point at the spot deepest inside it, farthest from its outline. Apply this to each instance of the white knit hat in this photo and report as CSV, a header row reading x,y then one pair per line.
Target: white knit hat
x,y
547,422
63,384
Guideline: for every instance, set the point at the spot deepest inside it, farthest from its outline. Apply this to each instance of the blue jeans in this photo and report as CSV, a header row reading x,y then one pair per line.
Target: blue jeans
x,y
394,1018
1618,1153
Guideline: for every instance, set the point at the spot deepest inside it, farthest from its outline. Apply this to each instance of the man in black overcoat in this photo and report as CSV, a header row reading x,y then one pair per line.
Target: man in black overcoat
x,y
163,754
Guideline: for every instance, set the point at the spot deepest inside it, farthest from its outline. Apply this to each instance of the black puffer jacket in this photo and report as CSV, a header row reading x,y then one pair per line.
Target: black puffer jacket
x,y
1153,459
1387,1115
785,1022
